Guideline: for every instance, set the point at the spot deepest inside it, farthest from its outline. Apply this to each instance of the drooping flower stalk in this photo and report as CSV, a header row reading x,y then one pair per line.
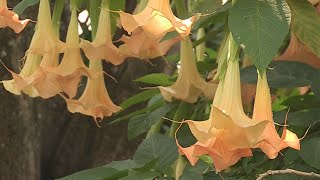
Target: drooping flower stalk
x,y
189,85
200,49
10,19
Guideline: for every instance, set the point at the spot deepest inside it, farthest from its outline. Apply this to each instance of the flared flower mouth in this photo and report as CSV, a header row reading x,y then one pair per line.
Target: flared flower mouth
x,y
228,134
10,19
141,46
156,19
271,143
189,85
102,46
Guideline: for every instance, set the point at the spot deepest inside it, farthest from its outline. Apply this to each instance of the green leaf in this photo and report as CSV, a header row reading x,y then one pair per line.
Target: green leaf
x,y
142,123
100,173
282,74
315,86
159,147
194,172
302,102
116,5
159,79
259,27
23,5
309,152
138,98
150,175
303,118
305,24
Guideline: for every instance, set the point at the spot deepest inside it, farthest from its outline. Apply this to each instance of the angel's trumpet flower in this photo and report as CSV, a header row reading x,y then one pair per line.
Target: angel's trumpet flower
x,y
228,134
95,100
19,82
102,46
271,143
145,47
156,19
44,39
189,85
10,19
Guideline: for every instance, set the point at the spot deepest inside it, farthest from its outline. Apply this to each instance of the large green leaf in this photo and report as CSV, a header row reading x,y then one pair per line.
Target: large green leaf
x,y
19,8
150,175
259,27
156,79
194,172
142,123
309,152
100,173
303,118
282,74
138,98
159,147
305,24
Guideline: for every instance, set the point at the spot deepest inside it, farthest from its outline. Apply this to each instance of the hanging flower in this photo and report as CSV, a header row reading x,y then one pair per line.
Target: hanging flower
x,y
271,143
141,46
228,134
19,81
95,100
189,85
102,46
156,19
10,18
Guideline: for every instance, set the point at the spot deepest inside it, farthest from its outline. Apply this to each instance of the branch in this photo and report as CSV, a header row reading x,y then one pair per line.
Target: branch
x,y
288,171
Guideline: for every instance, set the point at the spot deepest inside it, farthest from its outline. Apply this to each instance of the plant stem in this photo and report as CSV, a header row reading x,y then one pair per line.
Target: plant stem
x,y
184,110
289,171
56,17
181,8
155,128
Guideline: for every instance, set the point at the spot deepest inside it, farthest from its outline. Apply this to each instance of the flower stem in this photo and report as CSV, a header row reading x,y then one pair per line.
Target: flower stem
x,y
155,128
56,17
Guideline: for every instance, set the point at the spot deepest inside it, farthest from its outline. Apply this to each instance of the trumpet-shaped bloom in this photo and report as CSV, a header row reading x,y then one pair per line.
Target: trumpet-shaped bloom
x,y
141,46
102,46
189,85
10,19
44,39
156,19
271,143
228,134
20,81
95,100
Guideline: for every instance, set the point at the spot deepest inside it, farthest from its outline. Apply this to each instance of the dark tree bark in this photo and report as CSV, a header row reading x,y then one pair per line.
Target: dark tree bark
x,y
40,139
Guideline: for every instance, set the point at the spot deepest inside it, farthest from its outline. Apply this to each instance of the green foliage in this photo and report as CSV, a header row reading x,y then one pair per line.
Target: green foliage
x,y
23,5
282,74
305,24
310,152
138,98
159,79
259,27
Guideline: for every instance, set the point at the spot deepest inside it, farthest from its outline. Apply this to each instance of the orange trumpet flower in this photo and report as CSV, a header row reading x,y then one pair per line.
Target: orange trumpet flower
x,y
10,19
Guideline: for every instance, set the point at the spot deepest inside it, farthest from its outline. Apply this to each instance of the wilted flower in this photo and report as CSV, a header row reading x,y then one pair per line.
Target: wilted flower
x,y
10,18
189,85
156,20
102,46
271,143
141,46
228,134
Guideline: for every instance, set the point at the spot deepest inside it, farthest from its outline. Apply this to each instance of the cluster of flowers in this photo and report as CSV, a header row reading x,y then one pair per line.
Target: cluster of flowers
x,y
226,136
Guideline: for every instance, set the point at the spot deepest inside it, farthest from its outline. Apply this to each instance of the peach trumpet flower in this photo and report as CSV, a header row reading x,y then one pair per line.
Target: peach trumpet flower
x,y
271,143
102,46
19,81
228,134
189,85
10,19
141,46
95,100
156,19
